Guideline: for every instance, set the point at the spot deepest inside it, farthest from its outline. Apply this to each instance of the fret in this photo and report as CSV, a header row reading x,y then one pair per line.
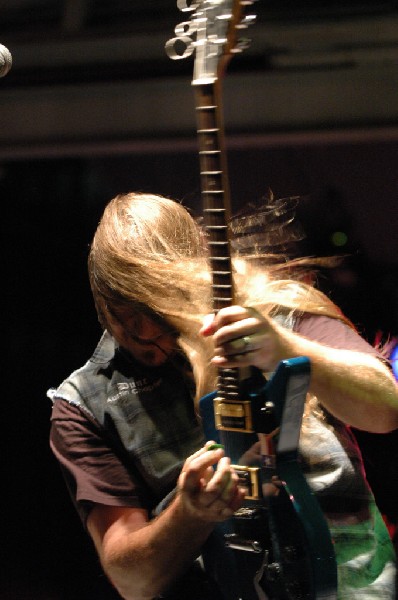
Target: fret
x,y
215,196
221,258
226,301
227,375
231,385
208,149
212,107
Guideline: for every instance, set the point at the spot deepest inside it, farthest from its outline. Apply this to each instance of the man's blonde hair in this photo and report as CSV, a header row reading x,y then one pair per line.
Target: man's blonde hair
x,y
149,255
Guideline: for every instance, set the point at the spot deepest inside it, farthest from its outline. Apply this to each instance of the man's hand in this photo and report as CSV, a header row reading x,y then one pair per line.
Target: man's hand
x,y
243,337
209,495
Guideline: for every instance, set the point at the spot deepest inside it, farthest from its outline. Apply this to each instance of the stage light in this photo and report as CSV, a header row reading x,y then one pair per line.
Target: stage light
x,y
394,360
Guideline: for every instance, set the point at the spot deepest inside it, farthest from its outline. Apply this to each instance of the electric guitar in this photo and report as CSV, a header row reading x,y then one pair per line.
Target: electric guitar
x,y
278,545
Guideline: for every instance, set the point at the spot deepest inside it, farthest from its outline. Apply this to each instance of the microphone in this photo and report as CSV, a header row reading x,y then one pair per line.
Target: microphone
x,y
5,60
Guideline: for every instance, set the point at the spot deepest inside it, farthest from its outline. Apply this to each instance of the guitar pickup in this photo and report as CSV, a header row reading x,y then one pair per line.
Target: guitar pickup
x,y
233,415
249,479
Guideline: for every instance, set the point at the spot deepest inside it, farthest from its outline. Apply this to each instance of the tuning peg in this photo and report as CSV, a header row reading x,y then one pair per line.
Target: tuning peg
x,y
242,44
246,22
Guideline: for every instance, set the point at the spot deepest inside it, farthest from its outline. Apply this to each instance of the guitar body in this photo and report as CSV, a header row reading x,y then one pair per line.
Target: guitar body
x,y
278,546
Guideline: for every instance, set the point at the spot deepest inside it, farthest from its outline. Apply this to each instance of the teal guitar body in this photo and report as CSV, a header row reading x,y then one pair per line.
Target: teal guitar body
x,y
278,545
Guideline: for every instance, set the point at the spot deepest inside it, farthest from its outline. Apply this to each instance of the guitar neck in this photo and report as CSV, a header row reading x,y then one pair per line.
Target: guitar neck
x,y
216,210
215,191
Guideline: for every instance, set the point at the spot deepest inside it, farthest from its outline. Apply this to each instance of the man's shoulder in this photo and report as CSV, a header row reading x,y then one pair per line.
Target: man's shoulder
x,y
91,379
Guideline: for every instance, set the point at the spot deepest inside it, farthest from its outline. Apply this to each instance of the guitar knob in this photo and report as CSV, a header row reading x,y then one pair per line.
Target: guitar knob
x,y
274,572
290,554
268,408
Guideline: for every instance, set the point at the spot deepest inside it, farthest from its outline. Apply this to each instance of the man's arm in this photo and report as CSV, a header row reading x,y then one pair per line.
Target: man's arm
x,y
143,558
355,387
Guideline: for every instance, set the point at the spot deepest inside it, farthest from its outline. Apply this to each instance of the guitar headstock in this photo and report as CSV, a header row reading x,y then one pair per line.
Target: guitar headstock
x,y
212,33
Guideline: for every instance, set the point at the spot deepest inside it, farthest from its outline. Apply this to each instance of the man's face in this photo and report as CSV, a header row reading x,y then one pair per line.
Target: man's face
x,y
149,342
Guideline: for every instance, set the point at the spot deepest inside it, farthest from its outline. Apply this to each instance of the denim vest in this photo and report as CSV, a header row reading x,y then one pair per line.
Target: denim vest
x,y
147,412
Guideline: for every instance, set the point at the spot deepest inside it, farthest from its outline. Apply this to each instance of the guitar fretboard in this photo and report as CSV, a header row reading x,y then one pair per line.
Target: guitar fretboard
x,y
216,210
215,194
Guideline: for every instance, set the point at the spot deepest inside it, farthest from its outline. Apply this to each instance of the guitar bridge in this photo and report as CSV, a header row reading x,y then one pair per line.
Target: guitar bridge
x,y
233,415
249,479
235,542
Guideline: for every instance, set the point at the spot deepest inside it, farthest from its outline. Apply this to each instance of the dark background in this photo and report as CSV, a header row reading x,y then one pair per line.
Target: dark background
x,y
61,162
